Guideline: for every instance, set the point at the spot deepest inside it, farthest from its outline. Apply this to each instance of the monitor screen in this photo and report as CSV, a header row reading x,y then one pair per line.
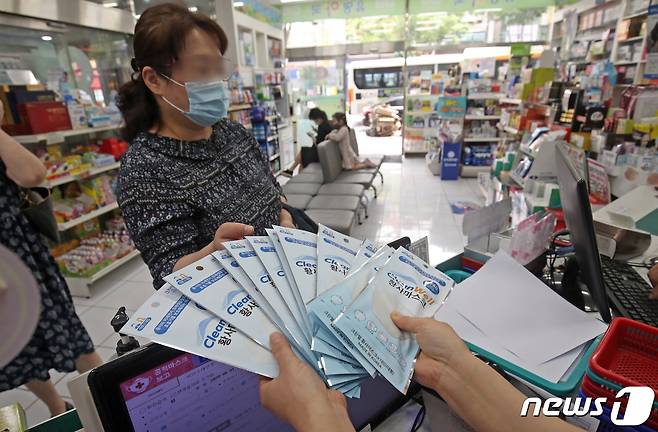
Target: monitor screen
x,y
578,217
191,393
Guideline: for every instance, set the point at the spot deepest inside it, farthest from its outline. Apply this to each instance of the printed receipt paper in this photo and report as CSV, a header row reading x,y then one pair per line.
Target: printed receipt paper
x,y
169,318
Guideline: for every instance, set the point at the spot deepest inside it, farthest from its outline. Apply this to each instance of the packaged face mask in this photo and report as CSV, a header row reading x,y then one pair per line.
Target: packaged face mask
x,y
320,346
333,366
300,248
404,284
248,261
329,305
328,337
337,380
278,247
209,284
354,393
169,318
365,252
336,253
265,250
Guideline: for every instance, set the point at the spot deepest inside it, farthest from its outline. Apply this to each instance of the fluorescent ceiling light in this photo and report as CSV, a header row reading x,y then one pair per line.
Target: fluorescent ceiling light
x,y
46,37
381,30
427,22
111,4
425,28
192,8
291,1
238,4
489,10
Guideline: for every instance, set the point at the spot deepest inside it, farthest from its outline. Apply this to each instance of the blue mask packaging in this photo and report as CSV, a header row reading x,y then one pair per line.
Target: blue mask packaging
x,y
335,255
328,306
365,252
249,262
278,247
333,366
171,319
321,347
404,284
337,380
264,248
300,248
209,284
354,393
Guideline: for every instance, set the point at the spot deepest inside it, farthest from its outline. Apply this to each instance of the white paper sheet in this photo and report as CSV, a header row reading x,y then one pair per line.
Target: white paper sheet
x,y
521,314
551,370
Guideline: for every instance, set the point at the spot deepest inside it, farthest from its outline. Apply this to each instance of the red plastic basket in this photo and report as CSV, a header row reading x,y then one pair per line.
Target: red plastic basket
x,y
594,390
628,354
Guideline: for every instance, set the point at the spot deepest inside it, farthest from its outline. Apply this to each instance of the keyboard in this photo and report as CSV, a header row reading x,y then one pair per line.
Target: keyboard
x,y
628,291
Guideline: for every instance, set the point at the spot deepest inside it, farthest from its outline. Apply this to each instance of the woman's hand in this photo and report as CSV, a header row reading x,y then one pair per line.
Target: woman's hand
x,y
285,219
439,344
231,231
299,397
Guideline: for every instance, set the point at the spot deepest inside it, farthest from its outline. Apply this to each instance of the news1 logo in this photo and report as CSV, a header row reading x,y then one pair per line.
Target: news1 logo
x,y
638,406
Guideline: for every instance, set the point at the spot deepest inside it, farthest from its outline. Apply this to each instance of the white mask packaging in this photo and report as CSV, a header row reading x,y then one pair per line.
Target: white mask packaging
x,y
266,251
209,284
404,284
336,253
246,257
337,380
333,366
171,319
365,252
328,306
320,346
300,248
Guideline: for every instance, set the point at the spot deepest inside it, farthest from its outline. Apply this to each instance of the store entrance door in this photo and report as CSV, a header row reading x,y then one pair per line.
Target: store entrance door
x,y
376,103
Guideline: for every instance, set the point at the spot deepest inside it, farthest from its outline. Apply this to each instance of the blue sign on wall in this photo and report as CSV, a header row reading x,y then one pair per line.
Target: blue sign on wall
x,y
450,157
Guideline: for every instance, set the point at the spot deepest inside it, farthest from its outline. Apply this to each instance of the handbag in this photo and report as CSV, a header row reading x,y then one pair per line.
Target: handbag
x,y
37,207
301,220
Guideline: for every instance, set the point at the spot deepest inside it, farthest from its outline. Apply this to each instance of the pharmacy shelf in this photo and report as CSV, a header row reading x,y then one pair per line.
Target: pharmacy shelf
x,y
484,96
472,171
626,63
509,101
59,136
239,107
79,286
511,130
89,216
71,178
631,40
481,139
481,117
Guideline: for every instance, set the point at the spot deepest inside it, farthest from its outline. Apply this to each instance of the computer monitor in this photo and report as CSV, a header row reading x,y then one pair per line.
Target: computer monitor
x,y
578,217
162,389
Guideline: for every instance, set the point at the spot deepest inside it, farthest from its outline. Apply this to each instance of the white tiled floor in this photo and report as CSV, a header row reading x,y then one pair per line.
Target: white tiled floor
x,y
411,202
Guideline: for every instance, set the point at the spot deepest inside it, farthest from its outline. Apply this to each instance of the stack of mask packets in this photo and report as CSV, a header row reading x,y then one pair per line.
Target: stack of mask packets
x,y
331,296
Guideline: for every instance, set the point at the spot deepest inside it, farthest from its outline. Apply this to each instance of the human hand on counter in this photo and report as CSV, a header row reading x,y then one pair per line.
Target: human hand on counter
x,y
653,277
231,231
299,397
439,344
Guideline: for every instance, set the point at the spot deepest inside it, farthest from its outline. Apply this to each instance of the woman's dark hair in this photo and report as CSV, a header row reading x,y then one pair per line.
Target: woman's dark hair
x,y
317,114
339,116
159,39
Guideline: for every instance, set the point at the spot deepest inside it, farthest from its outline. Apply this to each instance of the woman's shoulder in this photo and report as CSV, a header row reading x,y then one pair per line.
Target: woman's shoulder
x,y
141,163
233,133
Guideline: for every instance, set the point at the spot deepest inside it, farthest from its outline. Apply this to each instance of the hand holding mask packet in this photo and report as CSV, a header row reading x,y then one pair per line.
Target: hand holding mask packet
x,y
336,252
404,284
171,319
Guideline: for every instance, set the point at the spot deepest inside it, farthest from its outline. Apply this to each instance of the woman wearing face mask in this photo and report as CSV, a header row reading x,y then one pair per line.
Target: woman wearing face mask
x,y
191,179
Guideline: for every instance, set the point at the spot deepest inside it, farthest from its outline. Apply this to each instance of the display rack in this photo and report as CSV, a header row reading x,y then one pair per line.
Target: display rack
x,y
79,286
475,142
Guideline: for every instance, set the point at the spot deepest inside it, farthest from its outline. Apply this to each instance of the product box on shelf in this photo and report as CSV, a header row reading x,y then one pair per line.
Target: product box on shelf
x,y
44,117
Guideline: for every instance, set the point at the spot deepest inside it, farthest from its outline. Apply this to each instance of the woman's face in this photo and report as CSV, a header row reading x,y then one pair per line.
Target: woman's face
x,y
199,60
